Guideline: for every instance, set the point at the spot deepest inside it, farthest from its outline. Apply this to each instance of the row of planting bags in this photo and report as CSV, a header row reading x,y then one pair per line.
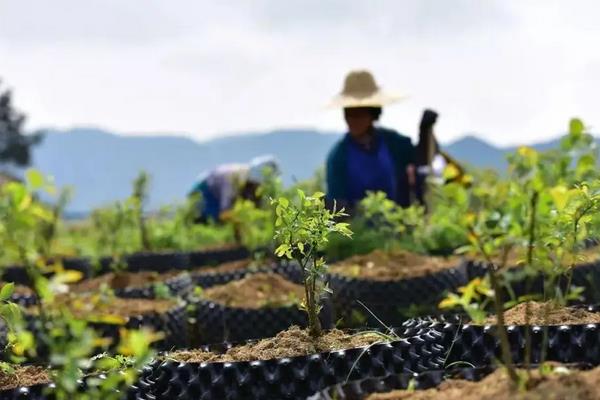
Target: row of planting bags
x,y
419,352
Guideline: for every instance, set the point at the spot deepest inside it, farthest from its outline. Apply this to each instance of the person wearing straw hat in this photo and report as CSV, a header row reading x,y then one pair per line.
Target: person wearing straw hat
x,y
221,187
368,157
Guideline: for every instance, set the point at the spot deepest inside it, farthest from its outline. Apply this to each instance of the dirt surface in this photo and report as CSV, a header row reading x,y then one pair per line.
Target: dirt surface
x,y
123,280
556,315
23,290
99,307
23,376
576,385
230,266
257,291
290,343
384,266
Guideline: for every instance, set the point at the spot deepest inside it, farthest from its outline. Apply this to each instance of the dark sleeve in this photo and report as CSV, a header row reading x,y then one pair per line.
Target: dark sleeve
x,y
409,152
335,174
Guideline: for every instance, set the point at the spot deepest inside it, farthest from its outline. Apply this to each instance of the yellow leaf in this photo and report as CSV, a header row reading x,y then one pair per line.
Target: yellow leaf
x,y
448,302
69,276
108,319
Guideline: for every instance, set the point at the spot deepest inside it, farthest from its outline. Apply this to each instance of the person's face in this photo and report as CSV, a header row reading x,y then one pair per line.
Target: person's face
x,y
359,121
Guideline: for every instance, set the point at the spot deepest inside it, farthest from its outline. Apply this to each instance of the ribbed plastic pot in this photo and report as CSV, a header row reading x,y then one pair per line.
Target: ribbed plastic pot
x,y
289,378
46,392
388,300
173,325
18,274
585,276
217,323
361,389
215,257
290,271
147,261
179,286
479,345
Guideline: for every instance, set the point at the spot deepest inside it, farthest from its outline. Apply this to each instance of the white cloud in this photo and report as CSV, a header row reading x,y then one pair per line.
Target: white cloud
x,y
512,71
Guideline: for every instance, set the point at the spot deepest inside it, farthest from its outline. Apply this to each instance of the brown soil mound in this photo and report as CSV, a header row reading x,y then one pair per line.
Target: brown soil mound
x,y
23,376
123,280
257,291
385,266
556,315
576,385
223,268
99,307
290,343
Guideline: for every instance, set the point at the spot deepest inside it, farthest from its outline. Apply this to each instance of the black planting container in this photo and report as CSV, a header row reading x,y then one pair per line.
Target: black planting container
x,y
178,286
18,274
289,378
46,391
215,257
361,389
390,300
172,324
517,283
24,300
479,345
146,261
216,323
290,271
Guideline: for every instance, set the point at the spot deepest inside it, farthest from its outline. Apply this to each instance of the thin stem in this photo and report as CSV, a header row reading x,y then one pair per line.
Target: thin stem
x,y
530,248
499,309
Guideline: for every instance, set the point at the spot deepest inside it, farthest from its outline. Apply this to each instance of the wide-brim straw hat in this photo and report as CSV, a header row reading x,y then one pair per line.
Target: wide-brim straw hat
x,y
361,90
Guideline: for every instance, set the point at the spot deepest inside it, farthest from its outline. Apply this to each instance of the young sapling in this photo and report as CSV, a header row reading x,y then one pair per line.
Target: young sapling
x,y
302,229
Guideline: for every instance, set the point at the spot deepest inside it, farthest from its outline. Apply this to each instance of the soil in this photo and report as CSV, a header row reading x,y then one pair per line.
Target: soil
x,y
100,307
123,280
576,385
385,266
557,315
24,376
257,291
292,342
23,290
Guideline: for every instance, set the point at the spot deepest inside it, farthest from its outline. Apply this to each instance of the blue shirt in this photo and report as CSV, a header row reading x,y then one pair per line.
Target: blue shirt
x,y
370,170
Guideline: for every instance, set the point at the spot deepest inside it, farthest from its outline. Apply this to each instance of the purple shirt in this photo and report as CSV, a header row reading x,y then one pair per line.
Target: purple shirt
x,y
370,170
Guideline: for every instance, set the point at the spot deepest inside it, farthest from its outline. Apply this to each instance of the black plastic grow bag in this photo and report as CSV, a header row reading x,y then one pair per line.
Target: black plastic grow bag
x,y
46,391
178,286
517,283
146,261
215,257
479,345
290,271
389,300
361,389
290,378
172,324
216,323
18,274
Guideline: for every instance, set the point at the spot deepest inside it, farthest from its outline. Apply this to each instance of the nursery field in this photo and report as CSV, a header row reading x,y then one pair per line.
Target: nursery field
x,y
490,291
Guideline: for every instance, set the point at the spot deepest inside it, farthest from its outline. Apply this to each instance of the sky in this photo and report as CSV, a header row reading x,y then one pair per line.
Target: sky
x,y
508,71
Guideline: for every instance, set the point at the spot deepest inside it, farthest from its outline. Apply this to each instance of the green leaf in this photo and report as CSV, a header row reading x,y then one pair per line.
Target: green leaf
x,y
318,195
34,178
576,127
283,202
7,291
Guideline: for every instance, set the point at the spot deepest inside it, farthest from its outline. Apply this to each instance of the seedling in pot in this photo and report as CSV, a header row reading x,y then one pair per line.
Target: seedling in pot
x,y
302,229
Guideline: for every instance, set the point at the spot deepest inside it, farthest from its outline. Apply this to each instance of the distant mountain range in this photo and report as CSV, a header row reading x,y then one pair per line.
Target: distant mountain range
x,y
101,165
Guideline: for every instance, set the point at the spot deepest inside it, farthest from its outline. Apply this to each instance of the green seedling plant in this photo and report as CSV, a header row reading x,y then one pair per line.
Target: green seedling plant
x,y
472,298
303,228
139,198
